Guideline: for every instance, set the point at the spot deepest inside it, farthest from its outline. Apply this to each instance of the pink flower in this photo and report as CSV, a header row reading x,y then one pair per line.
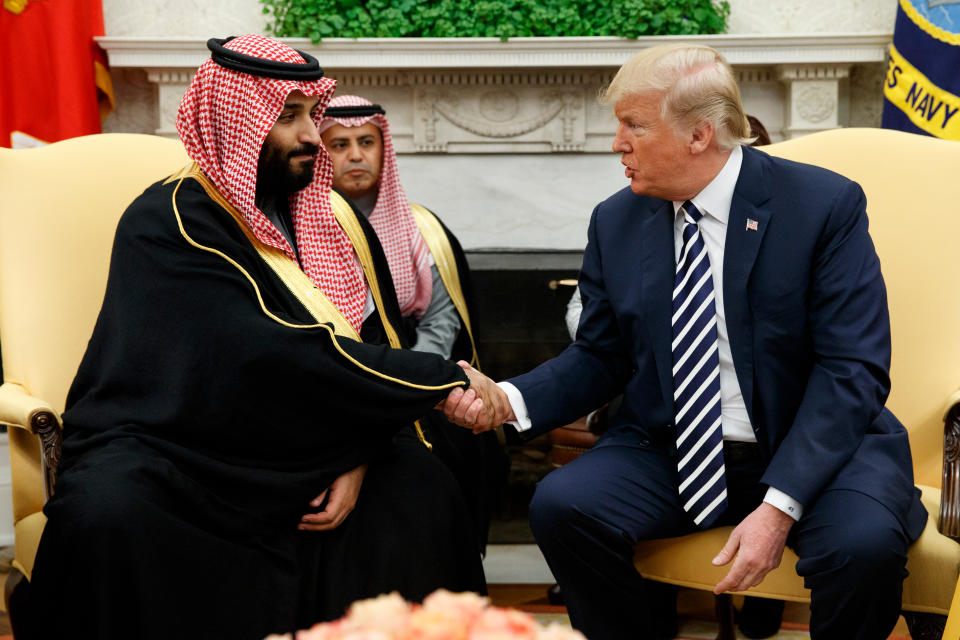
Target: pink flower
x,y
323,631
341,630
443,616
367,634
466,605
496,623
387,613
437,624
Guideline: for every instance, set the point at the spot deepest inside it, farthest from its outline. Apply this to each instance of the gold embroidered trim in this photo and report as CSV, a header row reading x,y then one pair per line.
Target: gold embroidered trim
x,y
310,296
193,171
931,29
439,245
347,220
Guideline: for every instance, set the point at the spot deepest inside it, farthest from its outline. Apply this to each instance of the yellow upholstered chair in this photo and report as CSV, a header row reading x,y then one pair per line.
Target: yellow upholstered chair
x,y
953,621
912,189
59,207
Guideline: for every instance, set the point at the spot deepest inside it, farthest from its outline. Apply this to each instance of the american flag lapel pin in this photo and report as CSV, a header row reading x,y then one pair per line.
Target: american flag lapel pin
x,y
752,224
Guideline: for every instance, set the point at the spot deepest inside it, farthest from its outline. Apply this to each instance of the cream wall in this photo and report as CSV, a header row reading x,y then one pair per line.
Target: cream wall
x,y
811,16
199,19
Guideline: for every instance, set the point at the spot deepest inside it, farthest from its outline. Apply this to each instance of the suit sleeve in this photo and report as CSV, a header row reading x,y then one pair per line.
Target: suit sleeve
x,y
850,337
590,371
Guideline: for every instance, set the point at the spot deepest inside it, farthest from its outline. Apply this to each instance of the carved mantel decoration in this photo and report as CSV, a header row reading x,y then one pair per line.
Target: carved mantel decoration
x,y
526,111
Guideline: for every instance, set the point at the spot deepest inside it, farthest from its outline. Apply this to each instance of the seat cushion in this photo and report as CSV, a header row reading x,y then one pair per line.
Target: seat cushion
x,y
933,563
26,540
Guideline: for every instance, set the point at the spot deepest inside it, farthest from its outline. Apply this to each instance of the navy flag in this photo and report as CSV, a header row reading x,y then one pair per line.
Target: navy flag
x,y
922,88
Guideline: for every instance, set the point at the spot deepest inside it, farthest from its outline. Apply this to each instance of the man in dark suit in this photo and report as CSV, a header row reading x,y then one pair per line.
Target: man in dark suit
x,y
737,302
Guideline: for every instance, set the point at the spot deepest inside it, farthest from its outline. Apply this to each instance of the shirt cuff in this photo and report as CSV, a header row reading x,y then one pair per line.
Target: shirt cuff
x,y
783,502
522,423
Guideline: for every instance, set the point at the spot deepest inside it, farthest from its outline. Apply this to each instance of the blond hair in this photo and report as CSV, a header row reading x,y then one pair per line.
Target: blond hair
x,y
697,84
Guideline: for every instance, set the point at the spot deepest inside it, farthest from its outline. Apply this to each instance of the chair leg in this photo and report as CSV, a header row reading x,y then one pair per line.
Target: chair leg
x,y
925,626
723,604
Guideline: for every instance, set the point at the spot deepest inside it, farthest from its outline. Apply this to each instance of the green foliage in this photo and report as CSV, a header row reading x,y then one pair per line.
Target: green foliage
x,y
318,19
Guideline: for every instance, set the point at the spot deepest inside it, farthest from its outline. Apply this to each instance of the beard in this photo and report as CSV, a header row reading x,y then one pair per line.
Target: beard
x,y
277,176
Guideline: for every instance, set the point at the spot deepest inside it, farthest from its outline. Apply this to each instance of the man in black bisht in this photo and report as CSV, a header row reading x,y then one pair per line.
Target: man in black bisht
x,y
237,460
431,280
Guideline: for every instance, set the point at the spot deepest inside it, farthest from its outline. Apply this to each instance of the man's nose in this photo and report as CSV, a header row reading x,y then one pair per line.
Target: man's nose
x,y
310,134
620,144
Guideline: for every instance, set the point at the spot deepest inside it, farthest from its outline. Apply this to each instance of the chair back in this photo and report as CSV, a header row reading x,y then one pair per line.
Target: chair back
x,y
912,189
59,207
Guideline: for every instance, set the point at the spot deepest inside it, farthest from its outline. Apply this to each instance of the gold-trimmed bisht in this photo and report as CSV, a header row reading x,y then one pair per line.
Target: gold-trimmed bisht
x,y
327,315
439,245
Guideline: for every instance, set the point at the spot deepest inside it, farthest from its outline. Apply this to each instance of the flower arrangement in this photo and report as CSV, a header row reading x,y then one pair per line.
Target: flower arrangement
x,y
442,616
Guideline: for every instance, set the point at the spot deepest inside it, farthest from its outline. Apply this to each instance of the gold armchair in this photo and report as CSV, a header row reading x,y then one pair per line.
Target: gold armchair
x,y
59,206
912,190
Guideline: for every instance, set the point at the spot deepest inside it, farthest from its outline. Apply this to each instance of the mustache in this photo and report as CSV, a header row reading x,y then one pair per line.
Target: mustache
x,y
305,149
356,165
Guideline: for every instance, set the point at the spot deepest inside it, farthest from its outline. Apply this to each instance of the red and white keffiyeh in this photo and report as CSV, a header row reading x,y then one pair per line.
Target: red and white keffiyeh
x,y
407,253
223,120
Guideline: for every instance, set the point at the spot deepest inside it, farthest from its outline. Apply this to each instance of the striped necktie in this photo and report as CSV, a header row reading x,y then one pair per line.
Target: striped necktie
x,y
696,379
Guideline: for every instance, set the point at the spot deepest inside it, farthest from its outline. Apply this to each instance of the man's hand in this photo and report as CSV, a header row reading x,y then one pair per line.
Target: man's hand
x,y
341,498
758,544
482,407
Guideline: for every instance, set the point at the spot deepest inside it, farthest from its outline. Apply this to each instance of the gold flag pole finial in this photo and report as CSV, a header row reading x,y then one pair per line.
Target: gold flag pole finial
x,y
15,6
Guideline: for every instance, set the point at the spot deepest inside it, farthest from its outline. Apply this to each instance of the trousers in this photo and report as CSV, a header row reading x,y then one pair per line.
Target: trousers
x,y
588,515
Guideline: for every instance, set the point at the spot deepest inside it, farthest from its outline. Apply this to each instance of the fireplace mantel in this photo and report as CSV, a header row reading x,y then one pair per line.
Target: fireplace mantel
x,y
514,53
487,129
507,90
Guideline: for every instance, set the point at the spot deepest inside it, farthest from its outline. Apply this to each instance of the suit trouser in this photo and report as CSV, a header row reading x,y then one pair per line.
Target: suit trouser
x,y
588,515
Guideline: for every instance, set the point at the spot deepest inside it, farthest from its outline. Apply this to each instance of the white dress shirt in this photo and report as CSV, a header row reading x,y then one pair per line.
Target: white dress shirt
x,y
714,203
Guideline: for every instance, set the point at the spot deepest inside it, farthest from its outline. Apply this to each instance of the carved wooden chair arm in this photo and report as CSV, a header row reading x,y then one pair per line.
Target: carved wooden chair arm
x,y
949,524
18,409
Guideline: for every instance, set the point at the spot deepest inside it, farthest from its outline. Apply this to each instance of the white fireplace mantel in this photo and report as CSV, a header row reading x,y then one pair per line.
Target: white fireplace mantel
x,y
487,129
530,95
541,53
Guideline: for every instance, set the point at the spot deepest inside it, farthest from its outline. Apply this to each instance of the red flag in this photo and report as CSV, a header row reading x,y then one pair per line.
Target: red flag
x,y
54,82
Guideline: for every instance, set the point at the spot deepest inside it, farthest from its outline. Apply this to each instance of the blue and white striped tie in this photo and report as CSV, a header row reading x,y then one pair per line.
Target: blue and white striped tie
x,y
696,380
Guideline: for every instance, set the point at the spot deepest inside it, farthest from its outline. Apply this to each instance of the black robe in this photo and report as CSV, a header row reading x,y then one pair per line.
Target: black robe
x,y
209,409
479,462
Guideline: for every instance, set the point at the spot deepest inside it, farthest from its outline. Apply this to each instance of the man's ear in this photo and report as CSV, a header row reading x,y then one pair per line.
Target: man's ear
x,y
700,137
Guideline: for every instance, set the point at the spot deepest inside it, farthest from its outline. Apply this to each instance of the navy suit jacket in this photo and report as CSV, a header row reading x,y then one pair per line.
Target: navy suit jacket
x,y
806,312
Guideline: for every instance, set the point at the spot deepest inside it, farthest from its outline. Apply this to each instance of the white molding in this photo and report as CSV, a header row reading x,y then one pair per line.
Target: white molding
x,y
477,53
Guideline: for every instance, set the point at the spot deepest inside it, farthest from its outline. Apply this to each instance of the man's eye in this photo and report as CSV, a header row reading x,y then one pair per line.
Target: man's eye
x,y
285,117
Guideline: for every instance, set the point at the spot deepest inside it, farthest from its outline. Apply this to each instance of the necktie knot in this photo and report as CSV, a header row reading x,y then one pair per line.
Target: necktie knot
x,y
691,212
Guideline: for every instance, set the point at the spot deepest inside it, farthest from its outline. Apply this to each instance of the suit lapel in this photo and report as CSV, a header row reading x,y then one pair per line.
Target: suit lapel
x,y
657,262
746,227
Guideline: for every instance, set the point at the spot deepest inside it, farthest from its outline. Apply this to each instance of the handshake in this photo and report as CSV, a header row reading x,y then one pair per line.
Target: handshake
x,y
482,407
